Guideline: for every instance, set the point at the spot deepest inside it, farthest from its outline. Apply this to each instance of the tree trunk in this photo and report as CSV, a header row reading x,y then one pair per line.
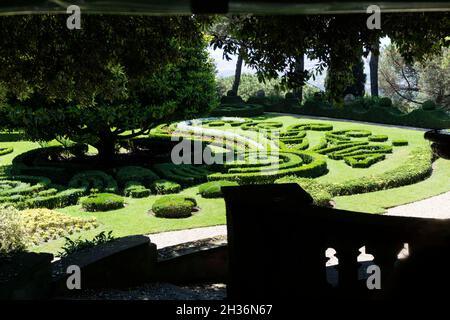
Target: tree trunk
x,y
300,68
237,73
106,148
373,64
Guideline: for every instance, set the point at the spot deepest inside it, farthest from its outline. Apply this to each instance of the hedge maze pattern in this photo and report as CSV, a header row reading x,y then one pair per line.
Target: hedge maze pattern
x,y
279,152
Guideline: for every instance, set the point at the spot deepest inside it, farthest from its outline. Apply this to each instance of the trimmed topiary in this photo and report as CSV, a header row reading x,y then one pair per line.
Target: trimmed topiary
x,y
358,133
216,123
4,151
135,173
135,189
378,138
399,143
429,105
173,207
212,189
385,102
163,186
102,202
94,179
363,161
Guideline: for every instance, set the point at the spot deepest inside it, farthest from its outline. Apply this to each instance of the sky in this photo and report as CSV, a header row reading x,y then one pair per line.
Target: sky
x,y
226,68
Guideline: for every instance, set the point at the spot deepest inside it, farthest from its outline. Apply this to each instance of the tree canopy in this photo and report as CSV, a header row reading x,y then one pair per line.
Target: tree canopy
x,y
275,43
113,79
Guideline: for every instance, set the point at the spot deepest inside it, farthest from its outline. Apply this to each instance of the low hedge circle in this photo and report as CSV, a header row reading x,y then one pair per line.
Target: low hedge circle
x,y
102,202
173,207
212,189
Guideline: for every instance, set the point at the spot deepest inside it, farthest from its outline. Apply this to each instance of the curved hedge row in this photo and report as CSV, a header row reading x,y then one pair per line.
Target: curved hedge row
x,y
35,163
184,174
417,167
95,180
102,202
6,150
301,164
238,110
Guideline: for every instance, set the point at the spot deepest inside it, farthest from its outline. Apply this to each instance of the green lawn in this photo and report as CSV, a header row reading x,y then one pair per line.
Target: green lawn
x,y
378,202
135,217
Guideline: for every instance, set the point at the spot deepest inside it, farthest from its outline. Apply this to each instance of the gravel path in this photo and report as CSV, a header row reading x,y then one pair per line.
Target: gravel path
x,y
437,207
171,238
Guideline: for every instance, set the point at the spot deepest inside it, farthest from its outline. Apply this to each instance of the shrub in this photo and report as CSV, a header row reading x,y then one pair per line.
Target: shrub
x,y
163,186
4,151
134,173
173,207
94,179
72,246
415,168
216,123
135,189
301,164
213,189
102,202
385,102
44,224
62,199
13,236
398,143
429,105
363,161
378,138
184,174
238,110
358,133
320,195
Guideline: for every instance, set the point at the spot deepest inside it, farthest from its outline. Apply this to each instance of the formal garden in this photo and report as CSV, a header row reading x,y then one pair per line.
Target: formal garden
x,y
87,151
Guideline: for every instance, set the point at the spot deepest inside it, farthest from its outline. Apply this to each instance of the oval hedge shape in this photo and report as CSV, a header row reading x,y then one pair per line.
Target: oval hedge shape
x,y
212,189
173,207
102,202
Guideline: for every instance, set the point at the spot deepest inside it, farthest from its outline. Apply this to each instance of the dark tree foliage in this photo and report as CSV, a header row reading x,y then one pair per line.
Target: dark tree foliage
x,y
357,88
274,43
92,85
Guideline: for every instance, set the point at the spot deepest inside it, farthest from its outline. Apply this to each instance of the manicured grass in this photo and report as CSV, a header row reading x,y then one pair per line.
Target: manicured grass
x,y
136,219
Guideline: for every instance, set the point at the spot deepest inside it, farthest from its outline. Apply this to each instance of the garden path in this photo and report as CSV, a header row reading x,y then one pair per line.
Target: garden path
x,y
437,207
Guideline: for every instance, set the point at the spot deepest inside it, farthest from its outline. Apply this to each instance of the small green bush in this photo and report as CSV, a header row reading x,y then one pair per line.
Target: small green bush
x,y
102,202
378,138
94,179
216,123
363,161
429,105
135,173
163,186
385,102
72,246
135,189
399,143
212,189
358,133
173,207
4,151
13,235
